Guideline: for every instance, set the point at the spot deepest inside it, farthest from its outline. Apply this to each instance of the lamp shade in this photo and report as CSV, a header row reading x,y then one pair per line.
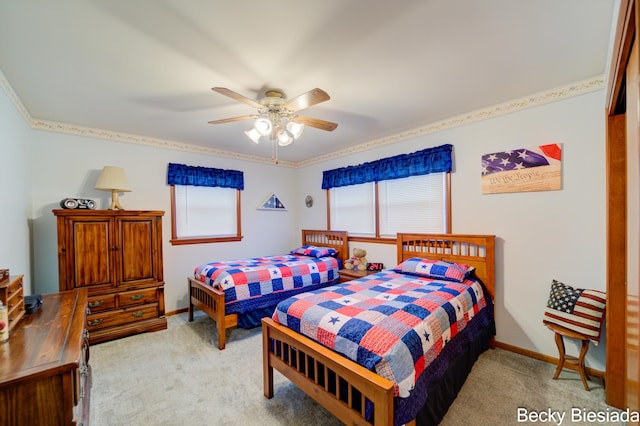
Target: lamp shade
x,y
263,126
253,135
284,138
295,129
113,179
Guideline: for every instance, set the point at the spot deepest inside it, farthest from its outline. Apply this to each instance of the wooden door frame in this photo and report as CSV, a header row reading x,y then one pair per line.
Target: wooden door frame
x,y
616,172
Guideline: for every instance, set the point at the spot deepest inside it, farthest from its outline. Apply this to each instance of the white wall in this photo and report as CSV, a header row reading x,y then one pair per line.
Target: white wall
x,y
540,235
15,187
68,166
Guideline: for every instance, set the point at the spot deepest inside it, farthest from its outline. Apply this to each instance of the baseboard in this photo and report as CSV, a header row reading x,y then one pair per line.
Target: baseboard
x,y
176,312
546,358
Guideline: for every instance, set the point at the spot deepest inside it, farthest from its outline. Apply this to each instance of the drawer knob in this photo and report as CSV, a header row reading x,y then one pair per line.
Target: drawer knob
x,y
95,322
137,314
96,303
137,297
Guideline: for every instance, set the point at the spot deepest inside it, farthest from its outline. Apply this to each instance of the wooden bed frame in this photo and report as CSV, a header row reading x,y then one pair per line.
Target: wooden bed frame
x,y
211,300
330,378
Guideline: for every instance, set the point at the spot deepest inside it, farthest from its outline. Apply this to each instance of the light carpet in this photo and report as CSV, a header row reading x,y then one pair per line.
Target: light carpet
x,y
179,377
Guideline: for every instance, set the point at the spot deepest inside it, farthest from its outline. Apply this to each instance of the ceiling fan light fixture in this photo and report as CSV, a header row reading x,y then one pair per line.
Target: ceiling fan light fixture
x,y
276,116
253,135
284,138
295,129
263,126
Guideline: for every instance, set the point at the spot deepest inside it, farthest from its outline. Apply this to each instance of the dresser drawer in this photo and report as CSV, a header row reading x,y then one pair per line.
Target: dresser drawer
x,y
15,301
122,316
82,390
102,302
137,297
15,286
12,296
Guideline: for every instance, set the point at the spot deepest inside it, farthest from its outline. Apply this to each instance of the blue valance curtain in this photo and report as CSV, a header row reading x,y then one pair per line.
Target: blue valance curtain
x,y
423,162
180,174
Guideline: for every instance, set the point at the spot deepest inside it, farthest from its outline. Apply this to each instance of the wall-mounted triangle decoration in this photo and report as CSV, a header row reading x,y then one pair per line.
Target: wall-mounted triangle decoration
x,y
272,202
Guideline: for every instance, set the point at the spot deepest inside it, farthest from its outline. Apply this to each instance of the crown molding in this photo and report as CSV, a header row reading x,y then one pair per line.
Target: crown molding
x,y
4,83
70,129
538,99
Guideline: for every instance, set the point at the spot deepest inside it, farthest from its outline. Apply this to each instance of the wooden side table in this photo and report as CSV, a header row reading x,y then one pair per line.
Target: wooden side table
x,y
568,360
353,274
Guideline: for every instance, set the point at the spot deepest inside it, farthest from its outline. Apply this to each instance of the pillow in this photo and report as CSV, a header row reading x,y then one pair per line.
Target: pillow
x,y
314,251
438,269
578,310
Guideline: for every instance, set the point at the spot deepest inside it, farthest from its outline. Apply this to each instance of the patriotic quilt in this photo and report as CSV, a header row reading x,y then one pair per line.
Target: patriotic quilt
x,y
389,322
576,309
258,277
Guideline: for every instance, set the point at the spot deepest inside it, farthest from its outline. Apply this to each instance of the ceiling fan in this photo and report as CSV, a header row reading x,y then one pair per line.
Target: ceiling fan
x,y
277,116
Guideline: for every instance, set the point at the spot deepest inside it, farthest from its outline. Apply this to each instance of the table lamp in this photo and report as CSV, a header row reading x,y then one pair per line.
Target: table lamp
x,y
113,179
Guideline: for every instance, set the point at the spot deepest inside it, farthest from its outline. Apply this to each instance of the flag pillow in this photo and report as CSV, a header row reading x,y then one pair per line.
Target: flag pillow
x,y
576,309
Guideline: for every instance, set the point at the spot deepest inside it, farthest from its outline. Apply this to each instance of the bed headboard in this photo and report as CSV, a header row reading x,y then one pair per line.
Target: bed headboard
x,y
474,250
334,239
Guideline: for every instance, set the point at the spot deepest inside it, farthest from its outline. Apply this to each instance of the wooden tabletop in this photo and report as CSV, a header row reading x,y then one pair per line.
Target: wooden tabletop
x,y
47,341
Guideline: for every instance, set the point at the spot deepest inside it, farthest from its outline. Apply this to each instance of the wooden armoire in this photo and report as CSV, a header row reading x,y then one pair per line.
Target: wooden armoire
x,y
117,256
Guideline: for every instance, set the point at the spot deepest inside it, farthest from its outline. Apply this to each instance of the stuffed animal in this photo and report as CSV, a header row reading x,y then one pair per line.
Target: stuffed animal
x,y
358,261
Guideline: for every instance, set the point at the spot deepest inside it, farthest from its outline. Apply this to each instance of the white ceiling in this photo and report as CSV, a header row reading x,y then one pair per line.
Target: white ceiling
x,y
146,67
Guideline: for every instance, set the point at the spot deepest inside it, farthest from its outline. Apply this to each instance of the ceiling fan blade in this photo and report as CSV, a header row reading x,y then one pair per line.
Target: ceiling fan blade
x,y
229,120
312,97
237,96
316,122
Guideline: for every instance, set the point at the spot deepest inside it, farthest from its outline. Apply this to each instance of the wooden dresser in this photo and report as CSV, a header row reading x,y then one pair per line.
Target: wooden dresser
x,y
12,296
45,377
117,256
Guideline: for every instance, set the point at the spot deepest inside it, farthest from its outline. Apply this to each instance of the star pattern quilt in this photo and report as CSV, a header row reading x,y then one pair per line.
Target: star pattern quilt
x,y
389,322
247,279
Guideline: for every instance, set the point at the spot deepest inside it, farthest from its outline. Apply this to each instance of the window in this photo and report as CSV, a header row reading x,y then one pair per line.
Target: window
x,y
205,204
404,193
352,208
412,204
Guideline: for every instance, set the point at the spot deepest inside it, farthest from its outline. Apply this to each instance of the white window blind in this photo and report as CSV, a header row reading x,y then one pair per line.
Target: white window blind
x,y
203,211
413,204
352,209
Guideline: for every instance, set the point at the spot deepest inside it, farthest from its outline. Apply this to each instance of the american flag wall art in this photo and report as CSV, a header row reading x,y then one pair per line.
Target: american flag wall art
x,y
537,168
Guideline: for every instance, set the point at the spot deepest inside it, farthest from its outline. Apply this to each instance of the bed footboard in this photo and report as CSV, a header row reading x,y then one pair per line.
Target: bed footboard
x,y
341,386
211,301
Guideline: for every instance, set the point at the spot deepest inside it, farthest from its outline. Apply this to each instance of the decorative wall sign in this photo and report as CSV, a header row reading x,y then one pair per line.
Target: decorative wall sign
x,y
536,168
272,203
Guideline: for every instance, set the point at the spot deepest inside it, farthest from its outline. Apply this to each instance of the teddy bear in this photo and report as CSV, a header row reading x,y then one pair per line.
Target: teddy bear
x,y
358,261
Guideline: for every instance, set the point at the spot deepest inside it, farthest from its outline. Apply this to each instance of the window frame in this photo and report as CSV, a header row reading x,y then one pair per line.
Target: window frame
x,y
376,207
176,240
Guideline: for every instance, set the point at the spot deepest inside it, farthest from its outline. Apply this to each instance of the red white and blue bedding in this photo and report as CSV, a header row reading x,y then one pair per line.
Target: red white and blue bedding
x,y
393,323
259,282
